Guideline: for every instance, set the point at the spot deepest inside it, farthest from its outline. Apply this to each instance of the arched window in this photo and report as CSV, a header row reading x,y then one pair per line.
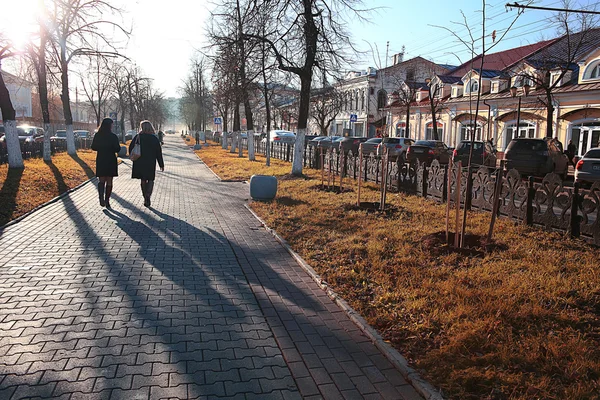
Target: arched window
x,y
401,129
467,128
362,100
381,98
429,131
350,100
592,71
472,86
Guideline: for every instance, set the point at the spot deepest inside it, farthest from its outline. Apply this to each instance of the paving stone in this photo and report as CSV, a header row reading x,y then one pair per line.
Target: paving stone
x,y
191,298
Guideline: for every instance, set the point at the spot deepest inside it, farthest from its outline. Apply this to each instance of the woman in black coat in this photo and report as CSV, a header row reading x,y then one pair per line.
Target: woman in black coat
x,y
106,144
144,168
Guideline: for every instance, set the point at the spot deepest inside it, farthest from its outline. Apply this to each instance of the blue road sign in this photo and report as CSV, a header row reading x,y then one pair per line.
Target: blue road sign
x,y
218,121
112,115
353,117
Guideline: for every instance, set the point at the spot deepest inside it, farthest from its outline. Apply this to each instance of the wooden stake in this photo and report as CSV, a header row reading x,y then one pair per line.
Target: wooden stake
x,y
360,170
329,157
384,160
341,167
458,179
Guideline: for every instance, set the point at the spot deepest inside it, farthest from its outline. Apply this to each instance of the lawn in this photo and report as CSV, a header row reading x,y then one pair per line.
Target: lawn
x,y
22,190
517,319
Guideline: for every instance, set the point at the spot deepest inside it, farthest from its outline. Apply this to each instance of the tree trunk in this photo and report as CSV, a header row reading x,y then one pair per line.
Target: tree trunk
x,y
250,128
43,91
297,163
407,127
66,103
549,116
15,158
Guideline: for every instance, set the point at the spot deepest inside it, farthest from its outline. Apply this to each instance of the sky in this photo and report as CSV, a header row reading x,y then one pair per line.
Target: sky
x,y
165,38
166,34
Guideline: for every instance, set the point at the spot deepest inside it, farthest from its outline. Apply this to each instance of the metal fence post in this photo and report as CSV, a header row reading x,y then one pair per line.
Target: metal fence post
x,y
529,205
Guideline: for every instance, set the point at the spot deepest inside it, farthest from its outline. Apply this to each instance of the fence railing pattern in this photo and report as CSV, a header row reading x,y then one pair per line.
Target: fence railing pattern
x,y
548,203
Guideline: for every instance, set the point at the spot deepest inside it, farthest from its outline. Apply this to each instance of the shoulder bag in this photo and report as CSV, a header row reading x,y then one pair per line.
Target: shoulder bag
x,y
137,150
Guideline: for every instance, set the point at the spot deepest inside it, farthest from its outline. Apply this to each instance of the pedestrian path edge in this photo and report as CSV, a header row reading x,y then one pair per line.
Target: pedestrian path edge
x,y
421,385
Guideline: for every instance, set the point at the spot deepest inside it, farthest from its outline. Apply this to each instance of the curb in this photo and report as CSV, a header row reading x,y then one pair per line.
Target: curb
x,y
422,386
199,159
51,201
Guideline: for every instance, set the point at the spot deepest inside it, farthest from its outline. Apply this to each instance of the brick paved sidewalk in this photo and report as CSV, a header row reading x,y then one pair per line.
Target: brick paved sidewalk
x,y
189,299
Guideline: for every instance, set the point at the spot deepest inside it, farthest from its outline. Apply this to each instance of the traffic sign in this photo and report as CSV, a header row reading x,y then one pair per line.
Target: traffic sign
x,y
218,121
112,115
353,117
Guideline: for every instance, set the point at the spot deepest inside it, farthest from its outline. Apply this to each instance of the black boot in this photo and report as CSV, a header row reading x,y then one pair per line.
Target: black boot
x,y
101,193
108,193
143,185
149,187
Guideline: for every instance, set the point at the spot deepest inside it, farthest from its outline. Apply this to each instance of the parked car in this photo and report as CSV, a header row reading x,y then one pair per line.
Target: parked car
x,y
30,134
587,169
428,150
315,141
396,148
59,135
328,142
350,143
484,153
370,146
280,136
130,134
536,157
82,134
308,138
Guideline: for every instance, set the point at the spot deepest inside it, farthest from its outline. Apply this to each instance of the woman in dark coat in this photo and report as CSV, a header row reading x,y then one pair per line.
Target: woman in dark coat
x,y
144,168
106,144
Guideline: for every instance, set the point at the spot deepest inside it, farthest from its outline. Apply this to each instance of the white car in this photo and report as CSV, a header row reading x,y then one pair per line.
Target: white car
x,y
280,136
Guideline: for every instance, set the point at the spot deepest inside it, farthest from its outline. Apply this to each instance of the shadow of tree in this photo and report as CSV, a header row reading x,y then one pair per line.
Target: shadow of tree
x,y
86,168
60,181
8,194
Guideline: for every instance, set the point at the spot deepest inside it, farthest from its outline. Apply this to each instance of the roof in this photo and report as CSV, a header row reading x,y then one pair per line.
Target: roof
x,y
566,50
449,79
501,60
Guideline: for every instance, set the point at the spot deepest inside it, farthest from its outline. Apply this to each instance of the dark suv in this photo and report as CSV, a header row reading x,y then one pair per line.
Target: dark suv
x,y
484,153
536,157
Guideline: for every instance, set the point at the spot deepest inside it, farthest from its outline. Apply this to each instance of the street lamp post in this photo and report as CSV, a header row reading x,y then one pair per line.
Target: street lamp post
x,y
513,93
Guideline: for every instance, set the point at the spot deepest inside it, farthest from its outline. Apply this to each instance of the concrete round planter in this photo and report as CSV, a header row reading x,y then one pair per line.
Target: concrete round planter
x,y
263,187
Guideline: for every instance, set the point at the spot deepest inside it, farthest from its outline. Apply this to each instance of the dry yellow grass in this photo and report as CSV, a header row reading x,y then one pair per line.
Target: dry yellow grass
x,y
514,321
23,190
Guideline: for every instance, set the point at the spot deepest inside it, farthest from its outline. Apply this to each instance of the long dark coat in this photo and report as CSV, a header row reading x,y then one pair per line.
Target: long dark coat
x,y
145,166
106,144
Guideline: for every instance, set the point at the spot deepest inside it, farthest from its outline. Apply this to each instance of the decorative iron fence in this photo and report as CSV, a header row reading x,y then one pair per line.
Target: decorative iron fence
x,y
549,203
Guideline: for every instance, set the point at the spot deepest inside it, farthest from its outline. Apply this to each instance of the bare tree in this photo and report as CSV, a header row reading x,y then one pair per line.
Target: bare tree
x,y
309,34
326,104
96,83
195,91
76,23
550,67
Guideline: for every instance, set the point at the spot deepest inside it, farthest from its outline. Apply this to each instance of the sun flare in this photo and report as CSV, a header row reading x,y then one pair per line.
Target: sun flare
x,y
22,24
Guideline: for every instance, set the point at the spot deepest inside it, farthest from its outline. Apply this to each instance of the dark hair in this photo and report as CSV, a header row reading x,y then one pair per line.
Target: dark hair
x,y
105,126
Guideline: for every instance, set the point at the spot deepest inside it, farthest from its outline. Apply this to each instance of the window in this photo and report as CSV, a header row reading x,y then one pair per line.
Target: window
x,y
592,71
350,100
401,129
410,74
362,100
466,130
429,131
356,100
472,86
372,91
495,86
526,130
381,99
